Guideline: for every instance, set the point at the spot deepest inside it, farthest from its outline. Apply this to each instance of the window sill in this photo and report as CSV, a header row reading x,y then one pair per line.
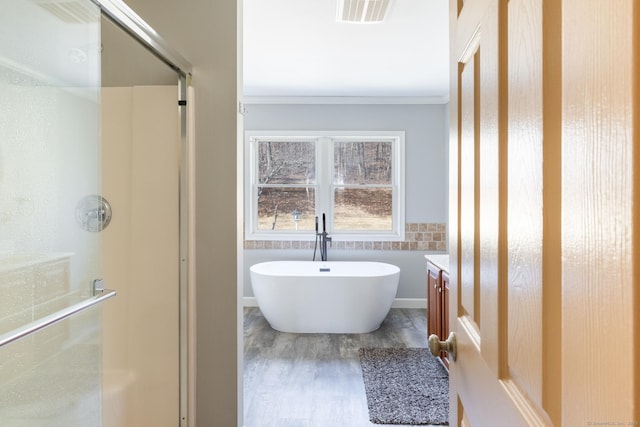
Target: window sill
x,y
418,237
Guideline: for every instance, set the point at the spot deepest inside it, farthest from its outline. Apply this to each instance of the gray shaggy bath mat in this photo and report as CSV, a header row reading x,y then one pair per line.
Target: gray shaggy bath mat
x,y
405,386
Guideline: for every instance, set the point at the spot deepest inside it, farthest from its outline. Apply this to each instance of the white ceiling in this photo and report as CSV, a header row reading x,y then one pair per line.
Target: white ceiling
x,y
296,48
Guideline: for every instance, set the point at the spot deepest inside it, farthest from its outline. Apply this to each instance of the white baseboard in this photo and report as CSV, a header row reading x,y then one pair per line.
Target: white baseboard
x,y
409,303
249,301
397,303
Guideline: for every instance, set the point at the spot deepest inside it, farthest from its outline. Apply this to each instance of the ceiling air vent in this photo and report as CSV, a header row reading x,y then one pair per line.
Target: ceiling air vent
x,y
362,11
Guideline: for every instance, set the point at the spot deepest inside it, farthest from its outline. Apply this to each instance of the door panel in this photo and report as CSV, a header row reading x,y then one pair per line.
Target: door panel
x,y
469,303
524,197
544,193
600,199
435,306
497,360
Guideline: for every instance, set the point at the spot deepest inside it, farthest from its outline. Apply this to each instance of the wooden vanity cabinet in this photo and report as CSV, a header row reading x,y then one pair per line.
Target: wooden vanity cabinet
x,y
434,311
438,305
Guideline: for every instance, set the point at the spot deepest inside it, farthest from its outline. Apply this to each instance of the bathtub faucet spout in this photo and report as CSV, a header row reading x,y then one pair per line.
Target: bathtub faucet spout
x,y
324,238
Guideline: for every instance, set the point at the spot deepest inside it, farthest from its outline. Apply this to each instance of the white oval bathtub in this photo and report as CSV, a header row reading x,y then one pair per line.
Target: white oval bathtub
x,y
324,297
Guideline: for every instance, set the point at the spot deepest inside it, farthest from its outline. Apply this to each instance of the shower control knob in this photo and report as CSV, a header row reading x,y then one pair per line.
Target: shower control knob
x,y
93,213
450,345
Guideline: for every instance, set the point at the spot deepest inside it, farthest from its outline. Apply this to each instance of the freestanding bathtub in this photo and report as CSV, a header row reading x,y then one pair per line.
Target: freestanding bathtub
x,y
324,297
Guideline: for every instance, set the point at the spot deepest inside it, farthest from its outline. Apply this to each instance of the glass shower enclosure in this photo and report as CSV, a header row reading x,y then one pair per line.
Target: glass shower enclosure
x,y
52,213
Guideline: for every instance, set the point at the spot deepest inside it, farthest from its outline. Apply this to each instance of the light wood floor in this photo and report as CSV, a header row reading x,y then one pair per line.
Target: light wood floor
x,y
315,380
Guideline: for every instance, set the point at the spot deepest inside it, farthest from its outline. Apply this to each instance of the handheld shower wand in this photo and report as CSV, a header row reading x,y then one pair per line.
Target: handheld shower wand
x,y
315,247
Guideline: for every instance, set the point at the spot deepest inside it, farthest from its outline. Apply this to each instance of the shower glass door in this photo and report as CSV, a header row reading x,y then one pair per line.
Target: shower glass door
x,y
50,213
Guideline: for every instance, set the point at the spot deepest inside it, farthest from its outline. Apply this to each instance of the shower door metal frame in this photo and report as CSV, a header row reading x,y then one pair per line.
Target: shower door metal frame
x,y
125,18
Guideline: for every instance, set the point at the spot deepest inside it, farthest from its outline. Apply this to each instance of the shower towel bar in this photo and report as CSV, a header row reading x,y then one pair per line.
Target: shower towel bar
x,y
49,320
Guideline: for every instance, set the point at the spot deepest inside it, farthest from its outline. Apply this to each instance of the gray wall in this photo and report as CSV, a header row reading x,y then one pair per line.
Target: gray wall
x,y
426,130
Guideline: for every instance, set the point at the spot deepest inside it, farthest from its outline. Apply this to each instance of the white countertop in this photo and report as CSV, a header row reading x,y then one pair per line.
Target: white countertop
x,y
439,260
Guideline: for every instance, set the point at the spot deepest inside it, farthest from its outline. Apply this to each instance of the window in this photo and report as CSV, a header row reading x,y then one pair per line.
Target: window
x,y
356,179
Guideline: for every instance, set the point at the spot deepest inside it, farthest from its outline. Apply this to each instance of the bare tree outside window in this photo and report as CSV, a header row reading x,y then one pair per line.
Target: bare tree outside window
x,y
363,193
286,178
362,162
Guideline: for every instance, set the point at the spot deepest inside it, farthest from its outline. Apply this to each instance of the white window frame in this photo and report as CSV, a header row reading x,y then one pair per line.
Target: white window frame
x,y
324,188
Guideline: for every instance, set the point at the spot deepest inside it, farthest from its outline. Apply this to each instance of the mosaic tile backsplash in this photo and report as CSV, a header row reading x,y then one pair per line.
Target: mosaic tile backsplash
x,y
418,237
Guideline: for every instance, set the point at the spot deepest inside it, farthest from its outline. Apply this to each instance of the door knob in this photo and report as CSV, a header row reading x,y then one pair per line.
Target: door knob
x,y
450,346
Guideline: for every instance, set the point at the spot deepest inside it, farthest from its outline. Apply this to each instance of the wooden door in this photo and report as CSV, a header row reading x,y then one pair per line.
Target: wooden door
x,y
544,205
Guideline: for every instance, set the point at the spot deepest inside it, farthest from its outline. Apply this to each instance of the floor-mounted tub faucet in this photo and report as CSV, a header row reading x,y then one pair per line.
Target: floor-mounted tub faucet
x,y
324,238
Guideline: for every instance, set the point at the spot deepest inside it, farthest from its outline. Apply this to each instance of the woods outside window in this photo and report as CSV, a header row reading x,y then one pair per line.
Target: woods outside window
x,y
355,178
